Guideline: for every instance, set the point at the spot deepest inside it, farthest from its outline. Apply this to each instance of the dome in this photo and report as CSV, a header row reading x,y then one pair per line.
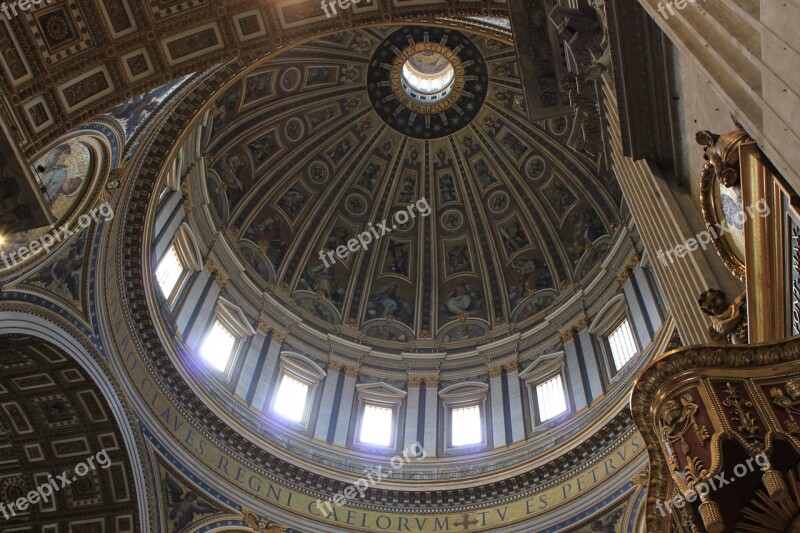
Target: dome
x,y
380,223
348,273
312,270
367,266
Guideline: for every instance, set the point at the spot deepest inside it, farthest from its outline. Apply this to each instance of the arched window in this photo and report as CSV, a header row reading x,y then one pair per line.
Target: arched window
x,y
376,425
466,425
176,265
465,417
219,345
223,340
545,381
614,336
170,271
551,399
622,344
296,388
379,408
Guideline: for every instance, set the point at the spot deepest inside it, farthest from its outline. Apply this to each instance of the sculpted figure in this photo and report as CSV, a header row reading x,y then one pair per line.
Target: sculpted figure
x,y
729,322
788,399
722,153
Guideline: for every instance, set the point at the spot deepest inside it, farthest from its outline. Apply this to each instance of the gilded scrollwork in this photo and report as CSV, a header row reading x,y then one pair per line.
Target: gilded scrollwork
x,y
721,153
721,169
655,404
695,471
748,425
678,418
642,477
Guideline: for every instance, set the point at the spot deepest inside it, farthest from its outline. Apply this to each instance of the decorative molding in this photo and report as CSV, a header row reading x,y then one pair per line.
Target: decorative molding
x,y
431,382
212,268
335,365
702,391
259,524
351,371
627,271
640,53
415,381
186,200
495,371
721,157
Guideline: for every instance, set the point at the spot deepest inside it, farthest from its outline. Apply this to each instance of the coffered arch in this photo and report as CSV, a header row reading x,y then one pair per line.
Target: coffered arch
x,y
53,350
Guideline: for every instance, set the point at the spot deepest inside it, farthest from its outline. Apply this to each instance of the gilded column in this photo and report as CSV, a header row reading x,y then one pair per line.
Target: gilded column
x,y
589,364
197,285
648,296
168,220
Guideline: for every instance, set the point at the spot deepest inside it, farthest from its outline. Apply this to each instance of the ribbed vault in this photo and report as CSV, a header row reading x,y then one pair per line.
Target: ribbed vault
x,y
303,157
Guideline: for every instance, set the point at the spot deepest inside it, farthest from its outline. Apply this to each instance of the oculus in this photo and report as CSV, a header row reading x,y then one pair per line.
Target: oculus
x,y
427,76
427,82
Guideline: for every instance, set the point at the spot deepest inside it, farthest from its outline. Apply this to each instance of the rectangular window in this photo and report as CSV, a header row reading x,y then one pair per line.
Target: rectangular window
x,y
623,345
376,425
218,346
465,424
169,271
551,398
292,399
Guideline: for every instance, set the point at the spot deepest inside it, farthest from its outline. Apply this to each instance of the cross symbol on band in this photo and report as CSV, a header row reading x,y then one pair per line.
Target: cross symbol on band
x,y
465,522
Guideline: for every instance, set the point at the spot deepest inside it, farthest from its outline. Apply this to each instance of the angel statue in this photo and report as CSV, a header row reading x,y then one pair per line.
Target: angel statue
x,y
184,506
721,153
260,525
728,322
788,399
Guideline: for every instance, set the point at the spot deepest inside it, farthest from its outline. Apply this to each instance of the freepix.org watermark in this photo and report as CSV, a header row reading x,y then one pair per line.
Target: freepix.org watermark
x,y
703,489
48,240
54,484
10,9
343,4
703,239
670,6
364,238
372,478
